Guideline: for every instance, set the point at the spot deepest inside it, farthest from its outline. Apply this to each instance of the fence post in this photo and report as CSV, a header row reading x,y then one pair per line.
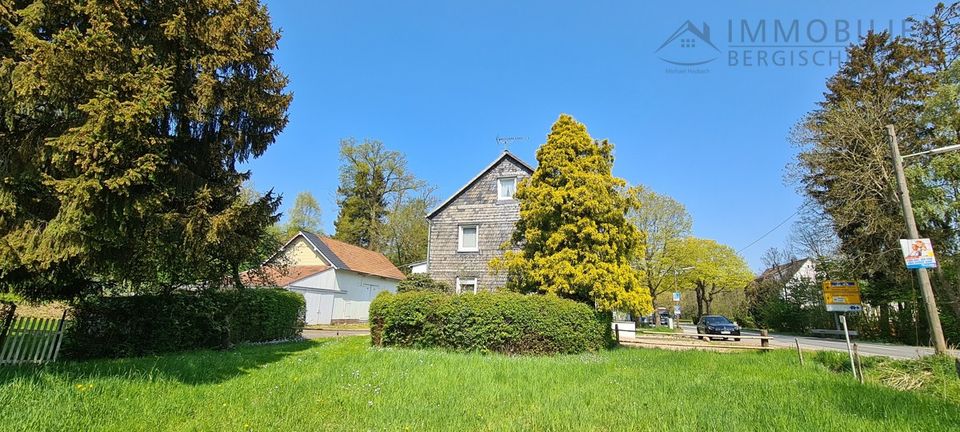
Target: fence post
x,y
60,329
799,353
7,320
764,342
616,329
856,355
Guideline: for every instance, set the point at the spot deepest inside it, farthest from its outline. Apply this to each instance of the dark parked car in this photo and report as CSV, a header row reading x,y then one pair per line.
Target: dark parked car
x,y
649,320
717,325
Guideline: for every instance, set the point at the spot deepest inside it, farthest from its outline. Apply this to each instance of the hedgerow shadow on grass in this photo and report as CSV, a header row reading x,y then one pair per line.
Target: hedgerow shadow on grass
x,y
191,367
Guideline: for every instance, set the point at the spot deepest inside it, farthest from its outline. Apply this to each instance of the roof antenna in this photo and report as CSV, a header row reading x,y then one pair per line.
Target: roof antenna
x,y
506,141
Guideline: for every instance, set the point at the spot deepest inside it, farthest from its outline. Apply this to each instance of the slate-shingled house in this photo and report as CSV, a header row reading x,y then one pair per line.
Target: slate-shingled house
x,y
468,229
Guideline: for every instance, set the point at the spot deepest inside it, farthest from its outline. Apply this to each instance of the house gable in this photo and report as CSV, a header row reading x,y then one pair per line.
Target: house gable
x,y
300,252
479,208
506,165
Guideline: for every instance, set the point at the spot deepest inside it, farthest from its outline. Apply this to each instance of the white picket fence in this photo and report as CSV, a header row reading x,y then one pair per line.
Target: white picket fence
x,y
32,340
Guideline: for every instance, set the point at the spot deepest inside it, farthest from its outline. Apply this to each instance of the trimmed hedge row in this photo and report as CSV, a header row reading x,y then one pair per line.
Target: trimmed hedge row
x,y
503,322
152,324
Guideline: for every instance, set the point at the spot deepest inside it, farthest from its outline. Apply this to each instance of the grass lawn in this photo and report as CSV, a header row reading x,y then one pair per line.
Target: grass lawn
x,y
347,385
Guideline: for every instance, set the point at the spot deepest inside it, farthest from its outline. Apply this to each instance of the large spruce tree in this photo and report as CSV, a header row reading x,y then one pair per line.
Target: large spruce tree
x,y
122,126
573,235
844,164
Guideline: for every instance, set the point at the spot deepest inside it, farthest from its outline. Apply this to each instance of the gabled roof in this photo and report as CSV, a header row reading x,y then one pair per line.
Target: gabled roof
x,y
281,276
346,256
782,272
506,154
318,244
360,260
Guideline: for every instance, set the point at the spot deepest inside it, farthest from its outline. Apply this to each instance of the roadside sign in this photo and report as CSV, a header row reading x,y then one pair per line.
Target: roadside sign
x,y
676,309
676,296
841,296
918,253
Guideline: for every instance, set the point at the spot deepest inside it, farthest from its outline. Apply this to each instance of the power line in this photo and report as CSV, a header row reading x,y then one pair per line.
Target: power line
x,y
773,229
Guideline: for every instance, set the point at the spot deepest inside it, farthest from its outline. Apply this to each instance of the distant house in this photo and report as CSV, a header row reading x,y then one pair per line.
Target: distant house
x,y
337,280
788,275
469,228
418,267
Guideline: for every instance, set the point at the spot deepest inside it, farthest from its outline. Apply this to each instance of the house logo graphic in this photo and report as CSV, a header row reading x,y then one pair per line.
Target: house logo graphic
x,y
688,46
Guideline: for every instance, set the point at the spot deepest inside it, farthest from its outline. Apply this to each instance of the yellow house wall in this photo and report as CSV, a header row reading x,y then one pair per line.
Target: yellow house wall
x,y
301,253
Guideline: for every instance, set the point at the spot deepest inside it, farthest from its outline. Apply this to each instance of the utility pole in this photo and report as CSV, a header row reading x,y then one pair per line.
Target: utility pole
x,y
926,290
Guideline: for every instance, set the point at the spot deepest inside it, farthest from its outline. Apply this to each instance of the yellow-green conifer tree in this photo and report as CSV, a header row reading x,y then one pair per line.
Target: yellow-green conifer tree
x,y
573,238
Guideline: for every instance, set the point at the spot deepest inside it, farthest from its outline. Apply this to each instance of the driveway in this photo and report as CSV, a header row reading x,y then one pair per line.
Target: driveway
x,y
323,334
865,348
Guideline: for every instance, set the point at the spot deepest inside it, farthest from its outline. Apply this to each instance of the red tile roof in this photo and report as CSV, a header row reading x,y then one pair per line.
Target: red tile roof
x,y
362,260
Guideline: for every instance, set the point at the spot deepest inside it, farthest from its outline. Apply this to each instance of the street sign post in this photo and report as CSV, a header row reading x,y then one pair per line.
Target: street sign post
x,y
842,296
676,296
846,334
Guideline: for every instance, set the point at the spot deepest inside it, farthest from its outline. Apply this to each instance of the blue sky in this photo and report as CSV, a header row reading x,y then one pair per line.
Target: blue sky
x,y
440,80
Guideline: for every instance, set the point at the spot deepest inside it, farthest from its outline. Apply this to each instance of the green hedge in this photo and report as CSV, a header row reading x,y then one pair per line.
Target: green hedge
x,y
151,324
499,322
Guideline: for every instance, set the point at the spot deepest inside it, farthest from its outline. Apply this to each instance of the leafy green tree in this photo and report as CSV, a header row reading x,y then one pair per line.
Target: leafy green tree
x,y
664,223
123,123
935,184
304,216
573,235
406,230
715,269
372,179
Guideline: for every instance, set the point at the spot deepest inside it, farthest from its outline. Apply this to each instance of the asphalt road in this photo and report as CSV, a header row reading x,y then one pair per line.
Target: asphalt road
x,y
865,348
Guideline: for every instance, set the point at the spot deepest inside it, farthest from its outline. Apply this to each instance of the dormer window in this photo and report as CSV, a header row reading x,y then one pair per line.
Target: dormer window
x,y
506,187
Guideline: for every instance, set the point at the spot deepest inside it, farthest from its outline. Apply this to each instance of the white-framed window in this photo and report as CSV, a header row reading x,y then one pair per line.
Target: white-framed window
x,y
506,187
468,239
466,285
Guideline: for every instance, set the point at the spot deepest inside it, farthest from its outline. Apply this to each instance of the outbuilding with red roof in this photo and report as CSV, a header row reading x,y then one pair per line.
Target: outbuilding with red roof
x,y
338,280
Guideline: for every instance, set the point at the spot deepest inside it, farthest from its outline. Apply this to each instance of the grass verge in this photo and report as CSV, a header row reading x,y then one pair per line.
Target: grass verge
x,y
346,385
933,375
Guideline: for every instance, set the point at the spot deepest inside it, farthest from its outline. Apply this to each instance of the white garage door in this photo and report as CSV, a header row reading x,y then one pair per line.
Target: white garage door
x,y
319,307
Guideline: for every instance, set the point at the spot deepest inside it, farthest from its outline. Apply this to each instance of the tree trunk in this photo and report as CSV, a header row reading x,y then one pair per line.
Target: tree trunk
x,y
949,293
656,313
699,290
885,320
708,301
237,283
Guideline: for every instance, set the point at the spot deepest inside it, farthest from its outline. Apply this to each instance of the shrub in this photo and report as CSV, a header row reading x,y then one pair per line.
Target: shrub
x,y
423,282
152,324
10,297
503,322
